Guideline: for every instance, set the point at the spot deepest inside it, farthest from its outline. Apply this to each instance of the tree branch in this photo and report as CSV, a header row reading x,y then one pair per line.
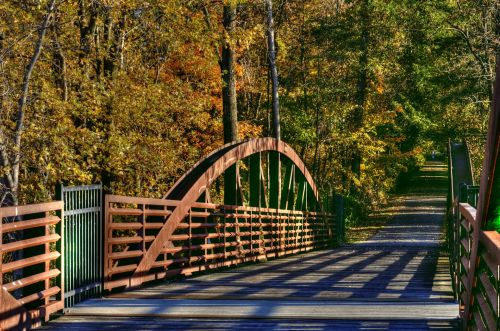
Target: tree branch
x,y
473,51
206,14
24,96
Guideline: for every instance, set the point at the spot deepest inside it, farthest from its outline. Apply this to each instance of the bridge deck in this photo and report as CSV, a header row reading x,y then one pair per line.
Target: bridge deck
x,y
396,280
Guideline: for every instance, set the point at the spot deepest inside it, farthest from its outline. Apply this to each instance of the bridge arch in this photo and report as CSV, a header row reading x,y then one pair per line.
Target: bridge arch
x,y
292,209
203,173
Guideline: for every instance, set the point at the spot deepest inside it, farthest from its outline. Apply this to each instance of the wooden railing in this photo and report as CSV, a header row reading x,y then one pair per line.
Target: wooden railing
x,y
209,236
31,264
483,286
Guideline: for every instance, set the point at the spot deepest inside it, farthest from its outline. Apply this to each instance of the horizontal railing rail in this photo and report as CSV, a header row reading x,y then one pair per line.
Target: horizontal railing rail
x,y
210,236
31,264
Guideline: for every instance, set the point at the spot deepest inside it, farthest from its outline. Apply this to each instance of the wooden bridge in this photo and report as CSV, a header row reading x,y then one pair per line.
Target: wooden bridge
x,y
400,278
265,262
265,255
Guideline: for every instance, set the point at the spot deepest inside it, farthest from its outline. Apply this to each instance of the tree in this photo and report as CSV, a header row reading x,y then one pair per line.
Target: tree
x,y
147,88
362,80
11,151
273,69
229,104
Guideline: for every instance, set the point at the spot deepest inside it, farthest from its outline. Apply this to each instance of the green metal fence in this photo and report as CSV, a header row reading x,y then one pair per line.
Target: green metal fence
x,y
83,242
469,194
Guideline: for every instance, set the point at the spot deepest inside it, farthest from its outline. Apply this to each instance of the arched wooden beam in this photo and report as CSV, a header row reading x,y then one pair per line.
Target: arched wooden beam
x,y
189,188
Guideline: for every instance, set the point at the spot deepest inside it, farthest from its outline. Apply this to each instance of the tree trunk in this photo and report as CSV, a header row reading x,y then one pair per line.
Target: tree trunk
x,y
106,64
59,63
87,28
3,87
229,103
496,41
303,63
487,18
272,67
317,158
2,37
362,83
14,177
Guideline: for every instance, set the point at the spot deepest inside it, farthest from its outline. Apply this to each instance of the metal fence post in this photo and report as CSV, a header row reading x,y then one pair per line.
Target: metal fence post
x,y
462,192
339,218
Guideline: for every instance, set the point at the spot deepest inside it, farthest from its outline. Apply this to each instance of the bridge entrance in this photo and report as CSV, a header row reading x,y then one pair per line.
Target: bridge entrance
x,y
397,279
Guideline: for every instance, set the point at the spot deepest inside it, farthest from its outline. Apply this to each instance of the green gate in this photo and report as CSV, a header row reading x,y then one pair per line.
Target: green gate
x,y
83,242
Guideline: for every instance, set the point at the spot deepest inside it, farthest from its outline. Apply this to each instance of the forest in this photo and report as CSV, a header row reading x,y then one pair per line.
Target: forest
x,y
132,93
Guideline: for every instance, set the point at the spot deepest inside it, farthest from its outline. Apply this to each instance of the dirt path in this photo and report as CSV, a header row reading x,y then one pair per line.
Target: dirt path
x,y
419,213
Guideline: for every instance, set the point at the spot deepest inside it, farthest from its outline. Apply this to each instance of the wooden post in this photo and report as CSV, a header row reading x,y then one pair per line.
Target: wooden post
x,y
339,218
107,234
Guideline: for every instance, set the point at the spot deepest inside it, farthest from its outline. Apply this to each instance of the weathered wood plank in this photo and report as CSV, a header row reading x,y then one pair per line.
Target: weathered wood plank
x,y
85,323
279,309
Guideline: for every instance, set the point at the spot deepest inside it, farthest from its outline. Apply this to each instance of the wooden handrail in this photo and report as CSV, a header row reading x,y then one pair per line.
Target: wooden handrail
x,y
31,209
202,205
469,213
476,271
491,242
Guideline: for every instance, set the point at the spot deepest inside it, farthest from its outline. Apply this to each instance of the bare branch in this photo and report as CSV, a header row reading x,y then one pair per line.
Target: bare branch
x,y
206,14
473,51
24,96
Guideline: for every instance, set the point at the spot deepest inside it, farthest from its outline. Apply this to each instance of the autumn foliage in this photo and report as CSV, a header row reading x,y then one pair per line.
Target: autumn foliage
x,y
129,92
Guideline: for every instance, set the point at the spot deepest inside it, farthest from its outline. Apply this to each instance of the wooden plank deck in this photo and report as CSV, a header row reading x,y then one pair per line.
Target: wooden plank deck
x,y
83,323
353,273
397,280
